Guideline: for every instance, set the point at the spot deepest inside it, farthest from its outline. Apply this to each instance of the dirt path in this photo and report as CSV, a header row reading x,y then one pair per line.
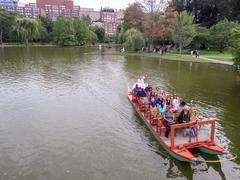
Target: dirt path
x,y
218,61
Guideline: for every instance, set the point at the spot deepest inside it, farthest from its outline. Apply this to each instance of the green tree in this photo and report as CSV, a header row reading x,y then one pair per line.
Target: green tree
x,y
220,34
46,28
183,30
100,32
121,29
106,39
26,29
81,31
63,32
209,12
235,43
201,40
92,37
134,40
6,21
87,19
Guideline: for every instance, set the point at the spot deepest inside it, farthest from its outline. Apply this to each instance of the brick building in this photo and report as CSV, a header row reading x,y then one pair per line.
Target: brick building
x,y
94,15
67,3
56,8
110,18
29,10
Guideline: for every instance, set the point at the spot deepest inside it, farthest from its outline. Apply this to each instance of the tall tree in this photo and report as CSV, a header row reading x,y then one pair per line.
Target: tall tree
x,y
134,16
235,43
209,12
202,38
92,37
81,31
121,29
6,21
100,32
134,40
153,10
220,34
163,28
45,29
26,29
63,32
87,19
183,30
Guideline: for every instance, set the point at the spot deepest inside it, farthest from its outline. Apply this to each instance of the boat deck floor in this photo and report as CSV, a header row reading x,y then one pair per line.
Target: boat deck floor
x,y
182,135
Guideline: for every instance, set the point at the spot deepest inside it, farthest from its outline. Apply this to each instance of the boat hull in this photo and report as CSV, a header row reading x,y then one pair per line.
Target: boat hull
x,y
213,150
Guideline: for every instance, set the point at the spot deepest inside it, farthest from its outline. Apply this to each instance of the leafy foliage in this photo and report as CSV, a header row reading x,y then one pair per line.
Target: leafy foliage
x,y
81,31
26,29
201,39
134,16
220,34
6,21
87,19
209,12
64,32
100,32
45,29
183,30
235,43
134,40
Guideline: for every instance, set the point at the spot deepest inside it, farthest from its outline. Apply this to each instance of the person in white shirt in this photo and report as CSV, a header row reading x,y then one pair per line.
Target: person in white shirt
x,y
175,102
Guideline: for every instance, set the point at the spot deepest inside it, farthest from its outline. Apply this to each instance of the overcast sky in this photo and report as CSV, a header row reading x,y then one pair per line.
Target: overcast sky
x,y
96,4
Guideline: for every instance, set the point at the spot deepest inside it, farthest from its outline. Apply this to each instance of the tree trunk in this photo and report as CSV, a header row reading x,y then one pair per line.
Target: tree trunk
x,y
150,44
221,48
26,42
1,34
180,49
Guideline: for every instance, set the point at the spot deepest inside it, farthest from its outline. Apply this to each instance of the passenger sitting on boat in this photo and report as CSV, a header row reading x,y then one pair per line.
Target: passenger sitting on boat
x,y
185,115
135,90
162,108
168,101
162,94
141,82
180,107
152,103
141,92
158,91
159,100
175,102
148,88
168,121
152,94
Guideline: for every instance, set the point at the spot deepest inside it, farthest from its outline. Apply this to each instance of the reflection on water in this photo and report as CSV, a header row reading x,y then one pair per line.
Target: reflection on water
x,y
65,115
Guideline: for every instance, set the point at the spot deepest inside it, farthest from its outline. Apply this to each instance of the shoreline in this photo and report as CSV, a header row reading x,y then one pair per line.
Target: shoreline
x,y
174,57
167,56
54,45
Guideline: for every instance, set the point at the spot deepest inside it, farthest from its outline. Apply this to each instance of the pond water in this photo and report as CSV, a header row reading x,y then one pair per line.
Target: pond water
x,y
65,115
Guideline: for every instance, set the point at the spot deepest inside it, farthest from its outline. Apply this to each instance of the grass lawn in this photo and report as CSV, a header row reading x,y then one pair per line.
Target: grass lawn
x,y
168,56
226,56
212,54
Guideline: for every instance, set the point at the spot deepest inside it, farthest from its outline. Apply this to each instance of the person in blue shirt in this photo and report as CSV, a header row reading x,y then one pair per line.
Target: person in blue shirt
x,y
159,100
168,121
152,103
141,92
162,108
135,90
